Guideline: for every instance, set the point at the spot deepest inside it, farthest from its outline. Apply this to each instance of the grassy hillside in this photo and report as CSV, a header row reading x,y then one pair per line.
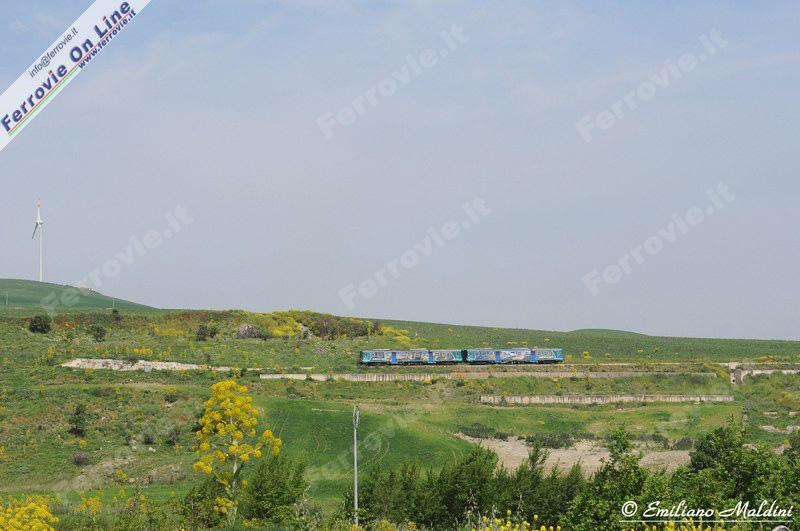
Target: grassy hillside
x,y
132,415
27,294
604,346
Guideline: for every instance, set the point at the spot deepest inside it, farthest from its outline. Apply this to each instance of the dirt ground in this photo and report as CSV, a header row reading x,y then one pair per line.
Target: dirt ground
x,y
588,453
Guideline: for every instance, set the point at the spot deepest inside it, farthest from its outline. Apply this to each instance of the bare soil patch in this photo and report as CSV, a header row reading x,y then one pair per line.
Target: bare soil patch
x,y
588,454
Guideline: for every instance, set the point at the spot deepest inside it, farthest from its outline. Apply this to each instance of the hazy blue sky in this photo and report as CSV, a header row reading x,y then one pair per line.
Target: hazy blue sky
x,y
215,106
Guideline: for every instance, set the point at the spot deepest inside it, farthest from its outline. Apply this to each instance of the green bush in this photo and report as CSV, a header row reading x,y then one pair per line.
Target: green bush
x,y
480,431
173,436
274,488
98,332
197,508
148,437
40,324
551,440
206,331
77,421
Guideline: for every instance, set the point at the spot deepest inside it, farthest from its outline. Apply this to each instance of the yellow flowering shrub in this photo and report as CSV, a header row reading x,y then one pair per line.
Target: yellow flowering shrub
x,y
91,505
400,335
30,514
227,440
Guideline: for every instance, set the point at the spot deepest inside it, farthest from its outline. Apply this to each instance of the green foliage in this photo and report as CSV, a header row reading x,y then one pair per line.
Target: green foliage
x,y
274,488
551,440
619,444
197,508
597,506
206,331
480,431
173,436
327,326
465,488
720,444
78,419
148,437
40,324
98,332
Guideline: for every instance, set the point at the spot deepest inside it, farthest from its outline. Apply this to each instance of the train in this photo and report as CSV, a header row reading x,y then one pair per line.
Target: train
x,y
471,356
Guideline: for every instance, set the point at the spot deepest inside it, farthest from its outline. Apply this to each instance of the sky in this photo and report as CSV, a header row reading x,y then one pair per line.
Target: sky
x,y
319,155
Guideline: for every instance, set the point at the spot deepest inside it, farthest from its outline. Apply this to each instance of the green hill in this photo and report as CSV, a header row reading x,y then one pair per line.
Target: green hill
x,y
27,294
606,332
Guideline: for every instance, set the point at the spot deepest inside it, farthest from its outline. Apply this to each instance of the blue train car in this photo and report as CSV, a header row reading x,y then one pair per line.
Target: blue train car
x,y
516,355
410,357
482,355
442,356
450,356
548,355
375,357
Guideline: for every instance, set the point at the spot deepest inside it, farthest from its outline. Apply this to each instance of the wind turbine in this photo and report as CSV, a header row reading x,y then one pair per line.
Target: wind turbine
x,y
39,225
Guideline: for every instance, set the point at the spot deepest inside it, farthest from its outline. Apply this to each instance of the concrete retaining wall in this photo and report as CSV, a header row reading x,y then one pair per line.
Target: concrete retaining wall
x,y
741,373
600,399
421,377
147,366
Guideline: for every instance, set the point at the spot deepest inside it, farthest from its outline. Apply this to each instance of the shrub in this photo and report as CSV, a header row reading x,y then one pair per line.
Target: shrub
x,y
206,331
80,459
171,396
480,431
273,489
30,513
77,421
116,316
173,436
198,507
148,438
550,440
98,332
40,324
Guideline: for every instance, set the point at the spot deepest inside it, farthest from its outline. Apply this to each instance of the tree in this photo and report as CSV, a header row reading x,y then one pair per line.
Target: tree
x,y
227,441
721,443
40,324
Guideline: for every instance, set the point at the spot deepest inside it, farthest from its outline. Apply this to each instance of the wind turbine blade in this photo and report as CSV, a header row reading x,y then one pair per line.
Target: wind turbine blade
x,y
35,228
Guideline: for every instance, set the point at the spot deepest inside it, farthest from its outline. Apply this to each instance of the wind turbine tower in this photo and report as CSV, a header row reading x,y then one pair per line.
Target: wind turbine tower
x,y
39,225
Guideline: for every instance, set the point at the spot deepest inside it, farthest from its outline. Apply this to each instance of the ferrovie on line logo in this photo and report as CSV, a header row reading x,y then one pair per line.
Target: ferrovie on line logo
x,y
60,63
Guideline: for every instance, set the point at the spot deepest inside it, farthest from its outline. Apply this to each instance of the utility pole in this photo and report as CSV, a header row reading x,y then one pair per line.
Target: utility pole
x,y
355,463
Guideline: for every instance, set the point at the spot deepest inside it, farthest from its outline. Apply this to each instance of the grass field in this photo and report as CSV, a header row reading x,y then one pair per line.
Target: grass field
x,y
132,414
